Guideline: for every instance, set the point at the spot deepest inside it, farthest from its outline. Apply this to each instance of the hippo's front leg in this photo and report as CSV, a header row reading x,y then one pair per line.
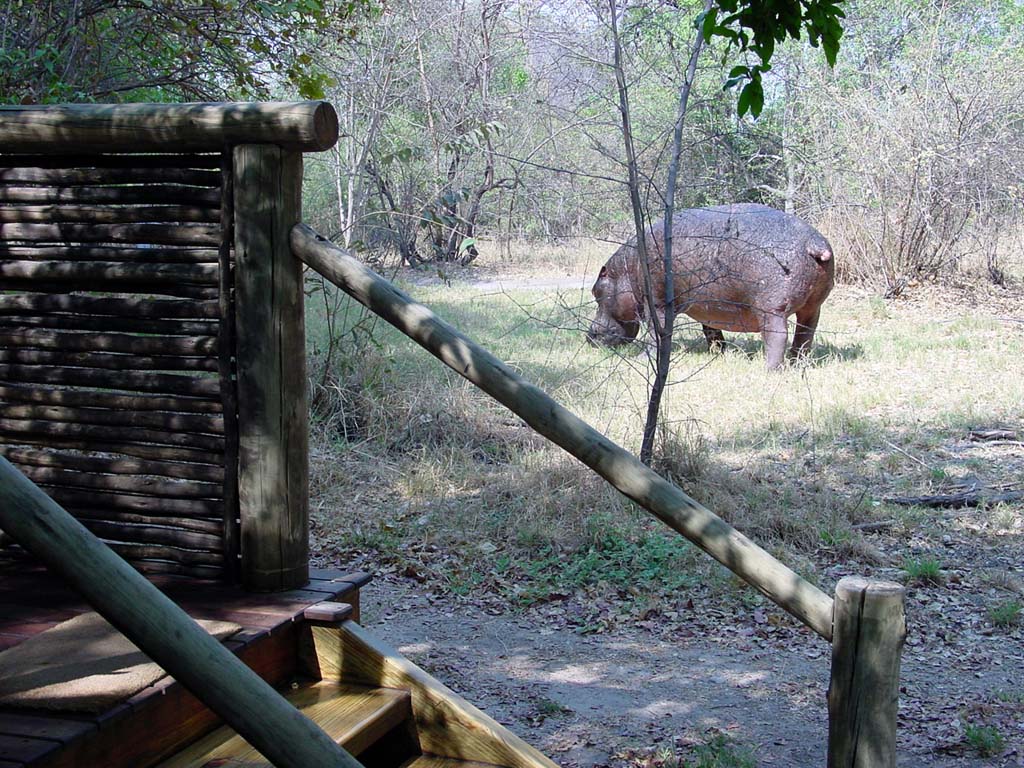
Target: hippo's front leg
x,y
653,341
715,338
652,328
775,333
803,336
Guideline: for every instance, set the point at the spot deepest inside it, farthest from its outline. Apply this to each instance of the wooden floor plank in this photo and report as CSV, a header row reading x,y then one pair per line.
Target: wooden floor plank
x,y
354,716
153,724
53,728
253,620
24,749
432,761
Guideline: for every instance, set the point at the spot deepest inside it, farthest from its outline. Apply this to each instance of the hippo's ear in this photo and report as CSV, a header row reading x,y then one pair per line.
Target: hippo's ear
x,y
603,272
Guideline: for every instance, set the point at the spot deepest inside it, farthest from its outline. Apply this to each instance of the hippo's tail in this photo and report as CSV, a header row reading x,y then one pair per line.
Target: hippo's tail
x,y
820,252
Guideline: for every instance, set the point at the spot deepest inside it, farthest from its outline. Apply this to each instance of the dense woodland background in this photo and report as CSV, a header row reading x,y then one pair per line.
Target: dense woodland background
x,y
472,123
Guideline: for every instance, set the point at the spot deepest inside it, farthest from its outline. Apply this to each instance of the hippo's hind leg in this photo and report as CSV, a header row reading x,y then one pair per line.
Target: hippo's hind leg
x,y
775,333
716,339
803,336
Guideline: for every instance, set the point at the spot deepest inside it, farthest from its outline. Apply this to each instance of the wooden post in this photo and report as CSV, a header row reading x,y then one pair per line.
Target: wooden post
x,y
273,460
868,631
162,630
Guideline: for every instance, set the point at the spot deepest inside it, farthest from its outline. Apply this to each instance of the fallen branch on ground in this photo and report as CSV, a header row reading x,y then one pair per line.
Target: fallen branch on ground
x,y
992,434
873,527
964,499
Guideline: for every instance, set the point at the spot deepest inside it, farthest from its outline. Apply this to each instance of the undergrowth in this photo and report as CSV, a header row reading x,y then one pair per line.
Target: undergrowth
x,y
716,750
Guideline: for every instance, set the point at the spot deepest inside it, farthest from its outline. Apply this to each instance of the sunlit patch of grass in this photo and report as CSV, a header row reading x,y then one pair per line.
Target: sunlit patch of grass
x,y
571,256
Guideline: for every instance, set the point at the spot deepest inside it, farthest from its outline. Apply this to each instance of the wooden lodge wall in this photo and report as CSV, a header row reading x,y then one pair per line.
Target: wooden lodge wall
x,y
117,392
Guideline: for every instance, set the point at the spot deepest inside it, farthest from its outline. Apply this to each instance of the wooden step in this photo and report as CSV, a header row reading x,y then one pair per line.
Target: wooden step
x,y
446,724
354,716
432,761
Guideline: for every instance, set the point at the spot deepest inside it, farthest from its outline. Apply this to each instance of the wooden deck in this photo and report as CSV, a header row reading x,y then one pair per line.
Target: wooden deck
x,y
159,719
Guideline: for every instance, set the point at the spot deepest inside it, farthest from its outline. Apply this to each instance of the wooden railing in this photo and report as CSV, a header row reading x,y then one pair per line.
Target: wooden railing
x,y
162,630
865,623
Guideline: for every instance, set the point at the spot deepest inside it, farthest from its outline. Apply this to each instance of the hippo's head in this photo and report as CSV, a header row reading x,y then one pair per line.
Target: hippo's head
x,y
618,312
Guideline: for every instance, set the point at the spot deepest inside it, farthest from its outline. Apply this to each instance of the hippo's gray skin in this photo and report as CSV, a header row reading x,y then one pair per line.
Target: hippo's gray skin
x,y
739,267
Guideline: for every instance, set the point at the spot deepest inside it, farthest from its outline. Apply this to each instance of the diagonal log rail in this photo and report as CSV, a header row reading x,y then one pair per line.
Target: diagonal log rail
x,y
162,630
615,464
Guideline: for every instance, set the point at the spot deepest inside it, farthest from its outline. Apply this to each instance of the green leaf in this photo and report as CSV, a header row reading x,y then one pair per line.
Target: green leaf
x,y
312,85
744,101
831,48
707,23
756,26
755,96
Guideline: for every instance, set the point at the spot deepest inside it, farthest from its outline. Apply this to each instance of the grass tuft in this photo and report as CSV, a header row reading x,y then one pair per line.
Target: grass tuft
x,y
923,571
1006,613
716,751
986,740
721,752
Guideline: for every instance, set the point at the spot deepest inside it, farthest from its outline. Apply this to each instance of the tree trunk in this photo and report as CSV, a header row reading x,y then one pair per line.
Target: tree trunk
x,y
661,328
633,182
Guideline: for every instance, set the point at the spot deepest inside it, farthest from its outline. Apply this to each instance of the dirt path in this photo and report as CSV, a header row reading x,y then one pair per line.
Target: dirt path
x,y
626,697
496,282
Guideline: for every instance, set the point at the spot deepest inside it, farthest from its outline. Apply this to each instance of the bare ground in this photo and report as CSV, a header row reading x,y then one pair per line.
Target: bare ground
x,y
640,690
623,697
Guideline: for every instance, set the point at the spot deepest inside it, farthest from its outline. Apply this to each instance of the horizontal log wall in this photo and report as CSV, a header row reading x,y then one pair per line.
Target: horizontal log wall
x,y
66,129
107,253
116,400
115,359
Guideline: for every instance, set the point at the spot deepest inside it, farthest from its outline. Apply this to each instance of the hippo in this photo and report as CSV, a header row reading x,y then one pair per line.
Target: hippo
x,y
741,267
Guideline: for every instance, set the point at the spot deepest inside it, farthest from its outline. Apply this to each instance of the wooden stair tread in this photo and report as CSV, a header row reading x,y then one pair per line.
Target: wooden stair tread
x,y
433,761
355,716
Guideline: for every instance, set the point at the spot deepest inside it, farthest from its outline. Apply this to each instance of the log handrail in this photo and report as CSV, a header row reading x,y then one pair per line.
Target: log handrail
x,y
162,630
615,464
308,126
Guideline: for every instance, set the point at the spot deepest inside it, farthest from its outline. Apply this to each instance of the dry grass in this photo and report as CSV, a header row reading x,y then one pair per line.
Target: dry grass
x,y
984,252
409,457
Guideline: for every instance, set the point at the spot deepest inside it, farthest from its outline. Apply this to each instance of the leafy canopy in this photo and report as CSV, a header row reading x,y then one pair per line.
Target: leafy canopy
x,y
163,50
755,26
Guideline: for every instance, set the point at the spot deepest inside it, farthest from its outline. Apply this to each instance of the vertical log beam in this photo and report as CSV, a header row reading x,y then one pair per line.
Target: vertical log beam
x,y
225,357
273,461
869,628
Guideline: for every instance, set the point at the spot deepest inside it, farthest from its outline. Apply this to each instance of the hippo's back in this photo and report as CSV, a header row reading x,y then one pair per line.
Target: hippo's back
x,y
734,262
750,228
752,238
